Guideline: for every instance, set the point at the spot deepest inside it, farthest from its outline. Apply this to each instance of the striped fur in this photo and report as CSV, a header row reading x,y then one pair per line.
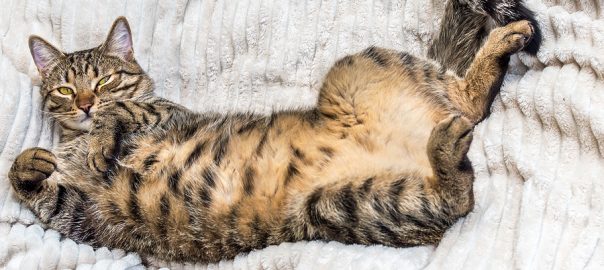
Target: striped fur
x,y
380,160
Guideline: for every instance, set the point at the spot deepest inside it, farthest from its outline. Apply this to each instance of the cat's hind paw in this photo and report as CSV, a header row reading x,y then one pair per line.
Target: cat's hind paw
x,y
450,141
510,38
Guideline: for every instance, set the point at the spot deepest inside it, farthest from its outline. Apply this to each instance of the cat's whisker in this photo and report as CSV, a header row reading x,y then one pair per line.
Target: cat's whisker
x,y
59,113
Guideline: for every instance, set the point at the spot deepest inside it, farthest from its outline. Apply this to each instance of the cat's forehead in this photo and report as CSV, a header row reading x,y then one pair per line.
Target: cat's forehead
x,y
87,64
79,62
82,56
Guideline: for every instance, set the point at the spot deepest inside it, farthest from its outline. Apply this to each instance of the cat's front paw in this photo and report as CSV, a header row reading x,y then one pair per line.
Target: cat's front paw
x,y
30,168
101,148
510,38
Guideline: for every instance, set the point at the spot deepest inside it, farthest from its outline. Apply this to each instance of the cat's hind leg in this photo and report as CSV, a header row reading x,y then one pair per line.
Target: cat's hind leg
x,y
453,175
474,94
388,208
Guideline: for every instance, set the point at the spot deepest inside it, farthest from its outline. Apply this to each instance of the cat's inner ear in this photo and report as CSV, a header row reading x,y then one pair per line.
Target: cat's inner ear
x,y
45,55
119,40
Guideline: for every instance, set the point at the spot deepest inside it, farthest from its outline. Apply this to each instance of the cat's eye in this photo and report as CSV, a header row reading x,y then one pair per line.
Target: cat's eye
x,y
65,90
103,81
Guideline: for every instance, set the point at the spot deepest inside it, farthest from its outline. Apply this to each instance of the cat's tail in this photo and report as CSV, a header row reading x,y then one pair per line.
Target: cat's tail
x,y
465,26
504,12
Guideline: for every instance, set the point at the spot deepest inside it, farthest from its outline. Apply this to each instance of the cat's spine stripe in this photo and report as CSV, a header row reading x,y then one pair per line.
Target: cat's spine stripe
x,y
220,148
375,55
187,132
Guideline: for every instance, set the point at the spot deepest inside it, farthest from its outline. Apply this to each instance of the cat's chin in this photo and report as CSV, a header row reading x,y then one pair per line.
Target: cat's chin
x,y
83,125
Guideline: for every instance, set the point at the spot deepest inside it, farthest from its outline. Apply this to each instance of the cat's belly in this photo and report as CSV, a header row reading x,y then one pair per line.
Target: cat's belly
x,y
396,144
292,156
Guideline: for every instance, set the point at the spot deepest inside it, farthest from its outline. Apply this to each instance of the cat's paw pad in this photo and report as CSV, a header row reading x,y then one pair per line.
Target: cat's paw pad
x,y
101,150
512,37
31,167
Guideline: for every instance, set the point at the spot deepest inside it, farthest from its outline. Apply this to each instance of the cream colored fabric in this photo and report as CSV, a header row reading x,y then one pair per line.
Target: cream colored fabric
x,y
538,158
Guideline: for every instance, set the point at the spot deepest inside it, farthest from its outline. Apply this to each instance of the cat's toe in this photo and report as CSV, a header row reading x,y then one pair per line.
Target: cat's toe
x,y
512,37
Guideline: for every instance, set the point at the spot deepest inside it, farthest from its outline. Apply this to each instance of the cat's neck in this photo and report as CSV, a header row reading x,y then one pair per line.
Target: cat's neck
x,y
68,134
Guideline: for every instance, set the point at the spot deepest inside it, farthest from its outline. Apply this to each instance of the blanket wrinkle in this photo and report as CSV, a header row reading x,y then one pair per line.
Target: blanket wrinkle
x,y
538,158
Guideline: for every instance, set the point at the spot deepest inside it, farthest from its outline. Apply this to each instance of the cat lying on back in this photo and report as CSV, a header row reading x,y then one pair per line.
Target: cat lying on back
x,y
380,160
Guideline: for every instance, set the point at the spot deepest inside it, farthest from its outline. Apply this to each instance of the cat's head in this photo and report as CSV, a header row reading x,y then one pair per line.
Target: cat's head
x,y
75,85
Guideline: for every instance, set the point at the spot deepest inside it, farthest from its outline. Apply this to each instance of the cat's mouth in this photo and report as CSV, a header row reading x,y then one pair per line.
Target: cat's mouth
x,y
84,122
85,119
80,121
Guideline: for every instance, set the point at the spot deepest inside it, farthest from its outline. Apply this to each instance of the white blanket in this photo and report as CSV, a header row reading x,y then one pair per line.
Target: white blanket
x,y
538,158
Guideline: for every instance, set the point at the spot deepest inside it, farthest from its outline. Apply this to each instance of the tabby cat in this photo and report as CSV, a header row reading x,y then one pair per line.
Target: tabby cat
x,y
380,160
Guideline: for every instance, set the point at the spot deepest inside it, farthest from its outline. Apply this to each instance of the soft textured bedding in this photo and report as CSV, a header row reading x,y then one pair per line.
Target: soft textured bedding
x,y
538,158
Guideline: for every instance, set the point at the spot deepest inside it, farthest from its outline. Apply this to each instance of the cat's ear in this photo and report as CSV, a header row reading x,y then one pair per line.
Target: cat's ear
x,y
45,55
119,40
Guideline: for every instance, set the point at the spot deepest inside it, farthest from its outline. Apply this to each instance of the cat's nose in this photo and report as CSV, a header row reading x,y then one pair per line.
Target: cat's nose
x,y
85,107
85,101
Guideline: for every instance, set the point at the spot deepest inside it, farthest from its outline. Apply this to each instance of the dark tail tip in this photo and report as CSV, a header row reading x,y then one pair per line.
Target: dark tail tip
x,y
516,12
535,43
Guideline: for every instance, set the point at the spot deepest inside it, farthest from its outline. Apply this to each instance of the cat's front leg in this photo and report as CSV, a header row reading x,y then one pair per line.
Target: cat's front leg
x,y
119,119
30,169
108,126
